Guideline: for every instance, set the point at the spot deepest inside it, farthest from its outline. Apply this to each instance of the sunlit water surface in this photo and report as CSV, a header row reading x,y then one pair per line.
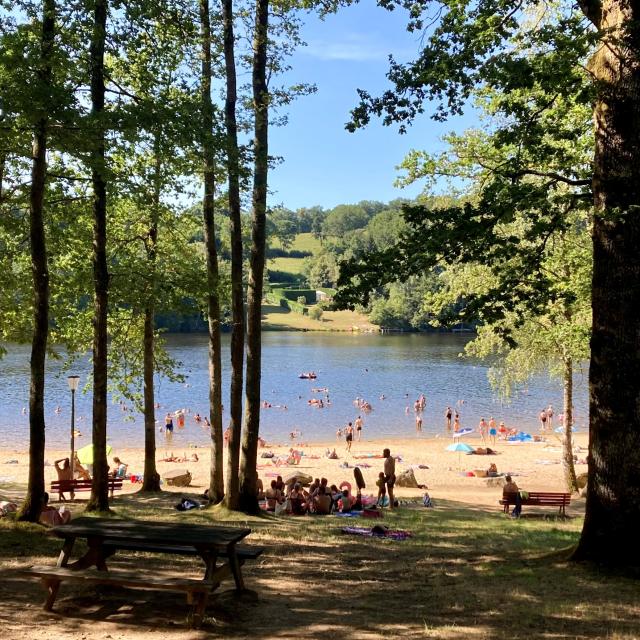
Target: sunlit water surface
x,y
398,367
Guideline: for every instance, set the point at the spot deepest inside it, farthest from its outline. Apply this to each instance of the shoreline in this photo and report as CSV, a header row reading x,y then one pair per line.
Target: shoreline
x,y
534,466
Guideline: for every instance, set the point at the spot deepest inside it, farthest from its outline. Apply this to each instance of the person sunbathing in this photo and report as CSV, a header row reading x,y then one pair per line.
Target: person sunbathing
x,y
298,499
78,470
121,469
273,496
52,517
322,502
64,475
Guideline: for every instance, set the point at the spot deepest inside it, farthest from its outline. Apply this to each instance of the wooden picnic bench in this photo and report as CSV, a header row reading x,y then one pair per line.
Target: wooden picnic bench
x,y
538,499
105,537
78,486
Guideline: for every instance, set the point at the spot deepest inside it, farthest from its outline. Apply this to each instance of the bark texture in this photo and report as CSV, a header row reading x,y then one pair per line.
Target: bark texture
x,y
237,289
99,500
567,450
248,472
613,497
151,478
34,500
216,485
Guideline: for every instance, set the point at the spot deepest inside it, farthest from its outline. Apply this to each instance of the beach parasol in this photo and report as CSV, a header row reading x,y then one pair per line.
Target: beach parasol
x,y
85,455
460,447
462,432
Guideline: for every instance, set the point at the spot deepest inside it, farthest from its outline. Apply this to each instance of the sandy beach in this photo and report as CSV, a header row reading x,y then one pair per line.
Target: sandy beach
x,y
534,466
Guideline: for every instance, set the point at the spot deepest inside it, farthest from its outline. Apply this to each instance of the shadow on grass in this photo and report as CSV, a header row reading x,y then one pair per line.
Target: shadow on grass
x,y
466,573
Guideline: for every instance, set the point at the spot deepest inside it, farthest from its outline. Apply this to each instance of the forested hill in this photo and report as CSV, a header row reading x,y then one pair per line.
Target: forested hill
x,y
305,248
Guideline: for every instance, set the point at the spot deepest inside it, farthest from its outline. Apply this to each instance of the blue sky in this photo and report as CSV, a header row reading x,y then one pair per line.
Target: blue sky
x,y
323,163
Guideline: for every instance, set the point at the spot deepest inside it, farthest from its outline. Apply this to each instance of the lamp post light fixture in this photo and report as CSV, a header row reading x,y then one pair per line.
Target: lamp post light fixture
x,y
73,381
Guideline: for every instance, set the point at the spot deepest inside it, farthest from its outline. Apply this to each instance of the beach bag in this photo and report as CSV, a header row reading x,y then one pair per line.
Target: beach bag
x,y
281,508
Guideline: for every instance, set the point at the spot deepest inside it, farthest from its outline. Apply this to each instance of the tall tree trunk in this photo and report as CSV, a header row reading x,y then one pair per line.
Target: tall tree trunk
x,y
248,471
609,534
237,290
99,500
151,478
216,483
567,441
35,489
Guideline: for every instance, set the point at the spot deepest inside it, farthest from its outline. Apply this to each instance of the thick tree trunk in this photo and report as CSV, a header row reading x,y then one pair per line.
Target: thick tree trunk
x,y
35,489
99,500
237,290
151,478
216,484
567,441
609,534
248,471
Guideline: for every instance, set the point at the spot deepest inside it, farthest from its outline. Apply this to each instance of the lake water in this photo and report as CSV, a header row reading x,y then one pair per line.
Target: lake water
x,y
400,367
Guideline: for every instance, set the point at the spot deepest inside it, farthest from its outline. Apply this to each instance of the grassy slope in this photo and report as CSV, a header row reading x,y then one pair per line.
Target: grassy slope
x,y
302,242
467,572
277,319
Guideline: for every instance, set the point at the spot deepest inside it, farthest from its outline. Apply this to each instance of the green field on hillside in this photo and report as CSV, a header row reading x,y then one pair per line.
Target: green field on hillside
x,y
302,242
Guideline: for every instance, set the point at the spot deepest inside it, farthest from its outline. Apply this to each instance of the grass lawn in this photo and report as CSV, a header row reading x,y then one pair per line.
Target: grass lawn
x,y
279,319
290,265
302,242
467,572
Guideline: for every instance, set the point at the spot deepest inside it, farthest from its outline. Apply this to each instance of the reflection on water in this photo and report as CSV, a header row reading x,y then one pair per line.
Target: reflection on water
x,y
398,367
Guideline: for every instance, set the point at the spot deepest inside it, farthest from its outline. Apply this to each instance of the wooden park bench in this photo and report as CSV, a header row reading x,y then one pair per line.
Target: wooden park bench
x,y
539,499
78,486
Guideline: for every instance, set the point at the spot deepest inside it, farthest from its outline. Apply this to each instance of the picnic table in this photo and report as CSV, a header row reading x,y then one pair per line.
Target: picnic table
x,y
105,537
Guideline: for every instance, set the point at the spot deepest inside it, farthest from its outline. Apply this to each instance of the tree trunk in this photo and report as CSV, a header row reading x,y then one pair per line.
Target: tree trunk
x,y
151,478
609,534
34,500
248,471
216,484
99,500
567,450
237,290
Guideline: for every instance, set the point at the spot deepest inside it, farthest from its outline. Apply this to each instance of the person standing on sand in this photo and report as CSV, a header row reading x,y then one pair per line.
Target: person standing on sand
x,y
389,475
456,423
447,415
349,434
358,425
482,428
493,431
418,423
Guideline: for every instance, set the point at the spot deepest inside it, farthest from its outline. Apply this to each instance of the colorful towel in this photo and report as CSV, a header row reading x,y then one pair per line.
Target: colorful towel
x,y
377,532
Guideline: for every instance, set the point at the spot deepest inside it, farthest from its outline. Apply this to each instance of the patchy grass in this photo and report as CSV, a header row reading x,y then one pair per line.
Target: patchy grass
x,y
465,573
276,318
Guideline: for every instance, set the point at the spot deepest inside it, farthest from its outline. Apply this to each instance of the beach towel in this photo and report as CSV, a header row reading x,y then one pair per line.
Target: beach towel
x,y
377,532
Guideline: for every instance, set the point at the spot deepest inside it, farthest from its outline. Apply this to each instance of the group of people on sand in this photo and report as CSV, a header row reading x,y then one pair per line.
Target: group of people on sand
x,y
323,499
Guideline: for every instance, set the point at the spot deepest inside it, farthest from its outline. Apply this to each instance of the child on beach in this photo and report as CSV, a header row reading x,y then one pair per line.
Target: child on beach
x,y
382,488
